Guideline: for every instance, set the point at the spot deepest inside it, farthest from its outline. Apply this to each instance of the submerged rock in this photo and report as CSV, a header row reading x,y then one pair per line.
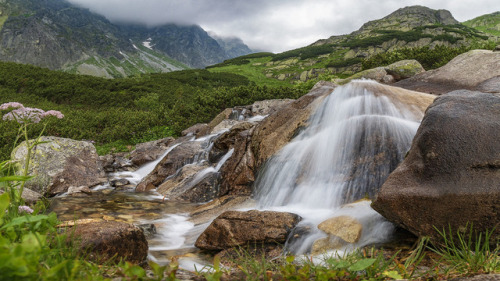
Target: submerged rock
x,y
233,228
451,176
345,227
58,164
110,239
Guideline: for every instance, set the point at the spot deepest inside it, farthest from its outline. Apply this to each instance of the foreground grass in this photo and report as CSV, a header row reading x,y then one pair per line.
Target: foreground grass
x,y
457,257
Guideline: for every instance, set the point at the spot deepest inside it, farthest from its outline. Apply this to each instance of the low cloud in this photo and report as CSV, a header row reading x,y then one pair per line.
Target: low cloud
x,y
273,25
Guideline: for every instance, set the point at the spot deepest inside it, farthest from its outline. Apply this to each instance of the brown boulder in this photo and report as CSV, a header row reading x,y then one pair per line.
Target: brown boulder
x,y
465,71
105,240
238,173
234,228
149,151
281,126
451,176
181,155
199,129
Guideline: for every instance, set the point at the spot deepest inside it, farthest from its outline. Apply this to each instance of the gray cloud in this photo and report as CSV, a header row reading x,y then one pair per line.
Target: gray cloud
x,y
274,25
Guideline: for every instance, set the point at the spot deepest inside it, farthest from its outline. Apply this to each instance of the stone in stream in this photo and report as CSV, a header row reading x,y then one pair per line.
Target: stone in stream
x,y
451,175
149,151
181,155
58,164
344,227
104,240
234,228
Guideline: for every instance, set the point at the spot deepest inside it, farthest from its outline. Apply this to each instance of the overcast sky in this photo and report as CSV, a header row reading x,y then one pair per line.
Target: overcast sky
x,y
274,25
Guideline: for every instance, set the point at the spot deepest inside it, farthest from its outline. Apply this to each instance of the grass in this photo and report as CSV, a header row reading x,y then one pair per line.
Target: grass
x,y
254,71
460,255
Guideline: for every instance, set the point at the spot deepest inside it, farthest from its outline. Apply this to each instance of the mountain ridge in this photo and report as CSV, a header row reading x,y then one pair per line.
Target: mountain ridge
x,y
59,35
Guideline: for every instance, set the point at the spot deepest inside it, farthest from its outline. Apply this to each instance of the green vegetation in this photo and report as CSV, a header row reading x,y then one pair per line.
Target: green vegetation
x,y
456,258
305,52
489,24
126,111
31,245
429,58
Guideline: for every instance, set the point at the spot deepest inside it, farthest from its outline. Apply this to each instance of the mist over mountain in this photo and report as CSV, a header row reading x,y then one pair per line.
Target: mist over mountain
x,y
59,35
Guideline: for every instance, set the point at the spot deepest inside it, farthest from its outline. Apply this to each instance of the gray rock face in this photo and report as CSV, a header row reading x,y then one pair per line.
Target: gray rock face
x,y
451,176
466,71
233,228
59,164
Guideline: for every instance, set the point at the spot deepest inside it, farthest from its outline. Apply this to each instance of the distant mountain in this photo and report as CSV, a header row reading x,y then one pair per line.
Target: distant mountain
x,y
58,35
489,23
407,28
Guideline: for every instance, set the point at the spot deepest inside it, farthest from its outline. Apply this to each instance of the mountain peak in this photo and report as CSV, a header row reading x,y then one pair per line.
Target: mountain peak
x,y
410,17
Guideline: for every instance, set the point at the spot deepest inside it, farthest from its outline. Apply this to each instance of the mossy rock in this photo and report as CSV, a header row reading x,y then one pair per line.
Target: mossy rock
x,y
404,69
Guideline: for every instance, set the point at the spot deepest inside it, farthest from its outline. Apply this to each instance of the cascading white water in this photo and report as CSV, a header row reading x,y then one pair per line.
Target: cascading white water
x,y
353,141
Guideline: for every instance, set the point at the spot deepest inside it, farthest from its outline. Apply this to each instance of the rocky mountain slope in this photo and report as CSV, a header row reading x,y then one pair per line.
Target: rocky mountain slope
x,y
59,35
411,27
489,23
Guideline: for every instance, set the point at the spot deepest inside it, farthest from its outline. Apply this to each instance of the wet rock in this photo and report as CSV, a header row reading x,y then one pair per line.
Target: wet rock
x,y
119,182
207,212
238,173
233,228
191,186
465,71
110,239
58,164
199,129
181,155
80,189
149,151
344,227
450,177
224,125
227,141
219,118
376,74
149,229
281,126
325,244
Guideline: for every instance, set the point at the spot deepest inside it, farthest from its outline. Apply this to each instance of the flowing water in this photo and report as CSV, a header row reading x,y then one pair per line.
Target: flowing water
x,y
353,141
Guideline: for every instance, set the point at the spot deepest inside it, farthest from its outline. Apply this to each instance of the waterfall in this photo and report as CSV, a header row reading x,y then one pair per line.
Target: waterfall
x,y
359,134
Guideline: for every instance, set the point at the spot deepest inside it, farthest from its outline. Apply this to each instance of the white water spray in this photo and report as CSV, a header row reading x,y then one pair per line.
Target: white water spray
x,y
354,140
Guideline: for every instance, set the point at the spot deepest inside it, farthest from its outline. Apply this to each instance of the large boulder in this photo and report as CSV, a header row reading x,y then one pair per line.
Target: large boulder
x,y
280,127
451,176
404,69
233,228
104,240
466,71
58,164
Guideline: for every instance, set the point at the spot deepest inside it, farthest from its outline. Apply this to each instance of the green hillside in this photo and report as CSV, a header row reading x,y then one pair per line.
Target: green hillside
x,y
126,111
489,23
